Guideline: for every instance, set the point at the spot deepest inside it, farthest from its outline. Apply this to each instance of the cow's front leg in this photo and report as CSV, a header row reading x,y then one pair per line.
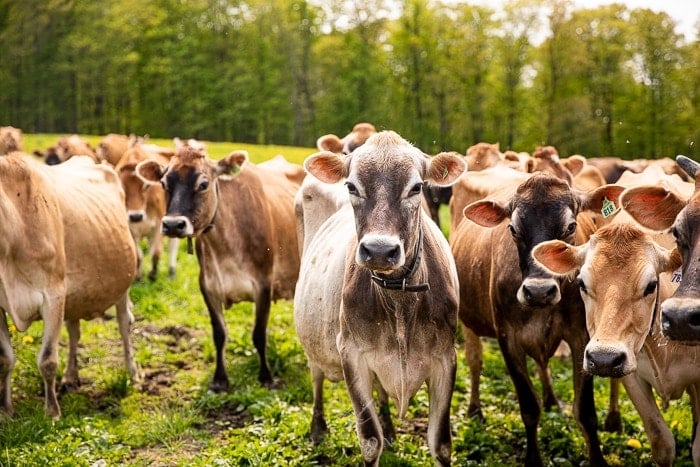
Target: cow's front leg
x,y
440,386
48,354
263,302
663,445
219,332
694,393
359,379
126,319
7,363
319,428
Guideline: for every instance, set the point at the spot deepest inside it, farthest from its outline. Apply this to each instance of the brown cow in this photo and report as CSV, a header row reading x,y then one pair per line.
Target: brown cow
x,y
10,140
243,220
660,208
76,260
503,294
65,148
353,140
386,311
624,276
145,207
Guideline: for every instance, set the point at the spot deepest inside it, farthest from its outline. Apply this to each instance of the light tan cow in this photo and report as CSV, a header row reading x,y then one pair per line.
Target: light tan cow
x,y
624,276
67,255
10,140
112,147
145,208
348,143
65,148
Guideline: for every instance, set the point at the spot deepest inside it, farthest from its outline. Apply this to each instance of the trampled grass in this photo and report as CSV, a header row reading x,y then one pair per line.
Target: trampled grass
x,y
172,419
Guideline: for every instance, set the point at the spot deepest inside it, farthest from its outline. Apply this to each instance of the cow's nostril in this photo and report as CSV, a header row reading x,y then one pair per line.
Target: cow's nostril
x,y
135,217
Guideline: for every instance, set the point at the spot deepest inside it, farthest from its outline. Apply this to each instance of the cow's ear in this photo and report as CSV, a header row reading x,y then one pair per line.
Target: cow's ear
x,y
669,260
559,257
575,164
690,167
327,166
486,213
445,168
598,198
654,207
329,143
231,164
149,171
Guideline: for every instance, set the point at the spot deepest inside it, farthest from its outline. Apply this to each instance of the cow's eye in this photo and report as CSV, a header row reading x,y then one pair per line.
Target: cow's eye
x,y
570,229
203,185
651,288
513,232
352,189
678,237
416,189
582,286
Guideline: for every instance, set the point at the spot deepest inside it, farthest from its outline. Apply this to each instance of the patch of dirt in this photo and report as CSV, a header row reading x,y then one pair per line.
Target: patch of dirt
x,y
414,426
225,418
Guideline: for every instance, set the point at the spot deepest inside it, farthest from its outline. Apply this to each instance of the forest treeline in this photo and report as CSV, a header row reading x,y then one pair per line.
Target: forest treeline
x,y
604,81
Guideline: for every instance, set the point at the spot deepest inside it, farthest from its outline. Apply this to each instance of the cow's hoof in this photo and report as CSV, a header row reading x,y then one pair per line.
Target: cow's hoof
x,y
613,423
219,386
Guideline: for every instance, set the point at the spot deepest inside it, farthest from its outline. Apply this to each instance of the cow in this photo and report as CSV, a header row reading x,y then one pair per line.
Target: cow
x,y
112,147
67,255
385,313
246,244
624,275
503,294
294,172
65,148
348,143
658,208
10,140
145,207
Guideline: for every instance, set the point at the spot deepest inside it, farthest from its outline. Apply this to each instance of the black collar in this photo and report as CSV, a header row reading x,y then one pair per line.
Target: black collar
x,y
401,283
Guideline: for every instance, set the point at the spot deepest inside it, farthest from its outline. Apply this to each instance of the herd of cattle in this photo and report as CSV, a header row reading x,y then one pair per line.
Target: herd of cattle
x,y
598,253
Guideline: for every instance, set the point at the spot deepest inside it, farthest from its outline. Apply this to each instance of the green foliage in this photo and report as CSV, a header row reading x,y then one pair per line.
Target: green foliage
x,y
610,80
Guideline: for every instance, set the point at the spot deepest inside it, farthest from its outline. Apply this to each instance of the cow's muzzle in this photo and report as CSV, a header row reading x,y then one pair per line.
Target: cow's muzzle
x,y
136,216
680,319
539,292
176,226
606,362
380,253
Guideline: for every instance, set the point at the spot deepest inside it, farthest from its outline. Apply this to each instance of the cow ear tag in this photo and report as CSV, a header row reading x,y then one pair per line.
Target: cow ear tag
x,y
677,275
608,208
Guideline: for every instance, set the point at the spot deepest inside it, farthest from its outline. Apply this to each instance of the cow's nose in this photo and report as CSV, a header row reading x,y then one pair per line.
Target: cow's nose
x,y
52,160
540,292
135,216
680,319
606,363
380,253
174,226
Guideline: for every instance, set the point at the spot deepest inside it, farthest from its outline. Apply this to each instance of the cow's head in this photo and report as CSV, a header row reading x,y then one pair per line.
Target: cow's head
x,y
543,208
190,184
384,178
657,208
619,282
353,140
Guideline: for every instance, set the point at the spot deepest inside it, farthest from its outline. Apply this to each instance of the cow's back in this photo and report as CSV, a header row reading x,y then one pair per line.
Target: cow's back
x,y
100,252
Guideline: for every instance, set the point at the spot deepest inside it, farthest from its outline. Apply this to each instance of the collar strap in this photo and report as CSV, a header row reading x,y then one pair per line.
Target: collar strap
x,y
401,283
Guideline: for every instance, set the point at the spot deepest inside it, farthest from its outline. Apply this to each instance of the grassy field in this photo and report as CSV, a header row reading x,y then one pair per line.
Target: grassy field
x,y
172,419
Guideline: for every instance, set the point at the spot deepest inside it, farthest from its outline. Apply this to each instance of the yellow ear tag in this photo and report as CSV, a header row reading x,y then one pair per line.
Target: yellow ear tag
x,y
608,208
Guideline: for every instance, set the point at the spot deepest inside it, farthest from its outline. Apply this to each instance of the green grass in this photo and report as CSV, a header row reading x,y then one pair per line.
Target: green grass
x,y
172,419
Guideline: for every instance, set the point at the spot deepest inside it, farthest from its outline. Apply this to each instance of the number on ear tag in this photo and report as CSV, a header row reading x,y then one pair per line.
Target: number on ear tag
x,y
608,208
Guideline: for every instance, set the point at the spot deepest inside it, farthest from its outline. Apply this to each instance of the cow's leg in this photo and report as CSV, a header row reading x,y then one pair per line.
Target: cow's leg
x,y
48,354
663,445
584,401
385,415
156,249
474,354
125,318
530,411
318,419
173,248
139,260
262,315
70,379
613,420
694,393
7,363
219,332
358,379
549,399
440,387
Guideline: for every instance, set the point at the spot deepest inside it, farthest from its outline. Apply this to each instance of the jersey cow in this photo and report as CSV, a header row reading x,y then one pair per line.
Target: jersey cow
x,y
10,140
659,208
243,221
504,294
624,276
385,312
65,148
67,255
145,207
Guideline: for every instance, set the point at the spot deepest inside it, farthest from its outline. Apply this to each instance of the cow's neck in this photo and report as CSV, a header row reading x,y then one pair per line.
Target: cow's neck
x,y
210,225
401,283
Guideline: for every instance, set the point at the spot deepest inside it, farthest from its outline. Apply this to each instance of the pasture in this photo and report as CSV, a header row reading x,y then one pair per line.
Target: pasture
x,y
171,418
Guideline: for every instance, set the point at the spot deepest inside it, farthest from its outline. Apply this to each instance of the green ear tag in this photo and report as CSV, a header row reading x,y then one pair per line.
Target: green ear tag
x,y
608,208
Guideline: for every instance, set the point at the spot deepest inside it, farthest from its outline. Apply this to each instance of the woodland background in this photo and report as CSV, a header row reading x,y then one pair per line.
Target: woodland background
x,y
603,81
